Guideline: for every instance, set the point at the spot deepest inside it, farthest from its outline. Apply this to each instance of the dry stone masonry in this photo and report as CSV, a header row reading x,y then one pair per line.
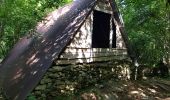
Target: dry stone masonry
x,y
68,79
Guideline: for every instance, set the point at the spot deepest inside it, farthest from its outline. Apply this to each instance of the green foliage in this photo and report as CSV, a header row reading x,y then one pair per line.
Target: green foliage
x,y
147,23
31,97
17,17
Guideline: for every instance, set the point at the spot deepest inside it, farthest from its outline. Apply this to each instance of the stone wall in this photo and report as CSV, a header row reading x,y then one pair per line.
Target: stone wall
x,y
68,79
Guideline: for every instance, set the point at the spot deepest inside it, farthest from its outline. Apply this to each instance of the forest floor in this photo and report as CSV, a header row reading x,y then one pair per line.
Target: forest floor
x,y
150,89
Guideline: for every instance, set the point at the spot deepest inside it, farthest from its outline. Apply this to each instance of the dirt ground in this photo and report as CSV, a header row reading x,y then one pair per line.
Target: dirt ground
x,y
150,89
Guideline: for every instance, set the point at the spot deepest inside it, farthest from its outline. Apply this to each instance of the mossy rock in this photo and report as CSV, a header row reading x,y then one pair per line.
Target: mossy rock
x,y
41,87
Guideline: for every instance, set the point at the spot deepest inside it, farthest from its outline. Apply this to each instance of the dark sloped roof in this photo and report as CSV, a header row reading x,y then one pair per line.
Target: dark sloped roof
x,y
30,58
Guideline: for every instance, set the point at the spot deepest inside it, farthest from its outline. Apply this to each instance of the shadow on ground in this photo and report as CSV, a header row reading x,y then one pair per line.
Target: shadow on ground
x,y
152,89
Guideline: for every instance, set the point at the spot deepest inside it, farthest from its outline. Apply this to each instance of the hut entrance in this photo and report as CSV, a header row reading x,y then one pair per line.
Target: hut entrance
x,y
102,36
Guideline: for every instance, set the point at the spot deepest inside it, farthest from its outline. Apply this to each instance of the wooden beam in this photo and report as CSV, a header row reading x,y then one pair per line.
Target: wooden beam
x,y
121,28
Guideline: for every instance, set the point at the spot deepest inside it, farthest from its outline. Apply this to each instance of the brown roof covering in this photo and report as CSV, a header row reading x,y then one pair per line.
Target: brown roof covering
x,y
33,55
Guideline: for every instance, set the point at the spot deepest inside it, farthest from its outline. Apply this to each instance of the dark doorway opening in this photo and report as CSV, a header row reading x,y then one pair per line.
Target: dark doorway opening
x,y
114,34
101,30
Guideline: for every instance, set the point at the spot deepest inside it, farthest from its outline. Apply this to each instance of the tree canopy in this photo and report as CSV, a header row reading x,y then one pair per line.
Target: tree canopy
x,y
17,17
147,24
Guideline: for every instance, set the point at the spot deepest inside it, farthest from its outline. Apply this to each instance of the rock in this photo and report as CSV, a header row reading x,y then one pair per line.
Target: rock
x,y
49,84
88,96
57,68
43,96
45,80
51,70
37,92
59,82
51,75
41,87
56,75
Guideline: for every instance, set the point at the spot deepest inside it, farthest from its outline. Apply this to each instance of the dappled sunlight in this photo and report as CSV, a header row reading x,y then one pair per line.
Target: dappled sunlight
x,y
31,59
34,72
103,5
116,90
120,43
134,92
51,18
80,50
89,73
17,76
106,96
71,88
66,79
126,72
152,90
83,38
33,55
16,97
91,54
34,61
89,96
